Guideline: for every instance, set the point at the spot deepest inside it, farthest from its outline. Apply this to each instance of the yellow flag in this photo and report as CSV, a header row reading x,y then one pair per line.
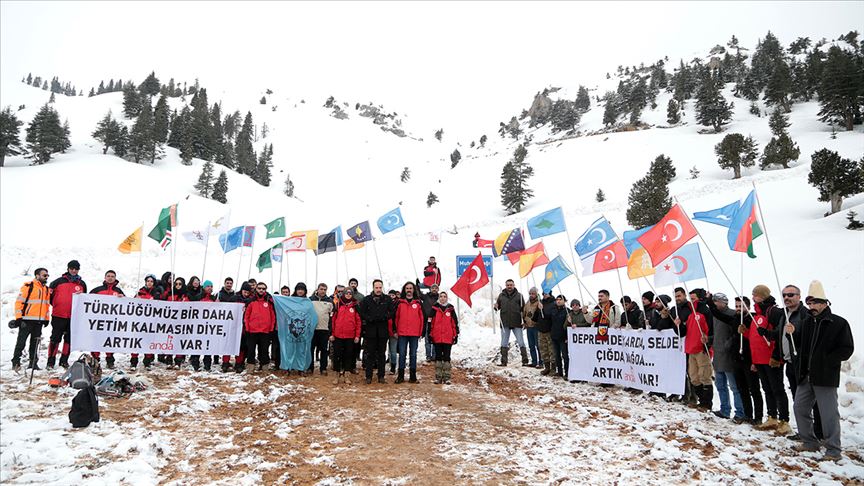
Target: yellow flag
x,y
639,264
350,245
132,242
311,238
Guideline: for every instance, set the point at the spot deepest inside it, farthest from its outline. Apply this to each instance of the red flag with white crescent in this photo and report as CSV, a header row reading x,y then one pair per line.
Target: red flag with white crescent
x,y
668,235
474,279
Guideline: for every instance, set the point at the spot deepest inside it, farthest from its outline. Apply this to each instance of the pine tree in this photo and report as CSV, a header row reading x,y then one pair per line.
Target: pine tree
x,y
289,186
736,151
231,125
205,180
694,172
265,162
600,196
245,153
583,101
431,199
564,116
483,140
51,99
91,94
768,52
610,112
142,145
439,133
45,135
648,201
220,188
514,182
263,100
779,86
854,224
201,127
663,168
150,86
107,132
673,116
131,101
10,126
712,110
180,129
455,157
636,101
406,174
778,122
186,152
841,88
835,177
779,151
121,145
160,120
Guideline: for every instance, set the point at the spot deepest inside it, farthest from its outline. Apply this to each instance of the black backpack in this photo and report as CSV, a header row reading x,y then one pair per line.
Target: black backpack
x,y
85,408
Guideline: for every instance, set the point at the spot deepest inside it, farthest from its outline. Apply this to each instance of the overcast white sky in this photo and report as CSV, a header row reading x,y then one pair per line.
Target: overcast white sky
x,y
462,65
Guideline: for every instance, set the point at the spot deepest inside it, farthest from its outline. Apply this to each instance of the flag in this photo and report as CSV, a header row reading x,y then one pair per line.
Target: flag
x,y
248,236
507,242
295,243
196,236
740,234
338,231
311,238
350,245
685,265
722,216
608,258
132,242
545,224
555,272
296,320
669,234
166,223
276,253
631,238
326,243
264,260
275,228
481,243
390,221
473,279
531,258
219,226
757,232
231,239
597,236
360,232
639,264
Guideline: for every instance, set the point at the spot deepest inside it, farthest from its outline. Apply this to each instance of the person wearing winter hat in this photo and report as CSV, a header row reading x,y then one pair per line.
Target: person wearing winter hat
x,y
444,332
696,324
110,286
661,316
61,292
647,307
726,339
345,334
528,310
559,316
243,297
577,317
150,291
823,340
178,294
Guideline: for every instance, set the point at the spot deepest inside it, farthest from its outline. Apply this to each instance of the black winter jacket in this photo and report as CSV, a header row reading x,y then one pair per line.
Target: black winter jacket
x,y
823,342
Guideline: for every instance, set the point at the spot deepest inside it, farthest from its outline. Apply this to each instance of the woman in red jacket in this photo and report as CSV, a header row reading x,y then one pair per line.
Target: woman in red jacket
x,y
443,333
177,295
150,292
409,327
344,334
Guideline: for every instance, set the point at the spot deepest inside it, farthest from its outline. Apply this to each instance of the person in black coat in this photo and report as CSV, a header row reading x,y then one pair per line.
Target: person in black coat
x,y
376,311
559,320
543,322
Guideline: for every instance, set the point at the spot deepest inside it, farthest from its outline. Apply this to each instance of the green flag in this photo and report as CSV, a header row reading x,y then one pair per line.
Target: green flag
x,y
276,228
167,221
757,232
264,260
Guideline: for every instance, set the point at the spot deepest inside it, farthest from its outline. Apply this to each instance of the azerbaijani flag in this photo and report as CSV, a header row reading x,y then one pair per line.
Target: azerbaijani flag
x,y
740,235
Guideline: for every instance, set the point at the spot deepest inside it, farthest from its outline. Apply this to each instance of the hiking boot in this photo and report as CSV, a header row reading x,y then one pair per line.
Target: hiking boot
x,y
64,361
346,378
795,437
133,362
439,372
147,366
413,377
258,367
503,357
368,381
16,368
804,447
323,372
392,368
400,378
830,457
381,380
109,362
546,369
225,367
207,367
50,364
524,352
337,379
239,368
34,366
783,429
446,372
769,424
739,420
196,366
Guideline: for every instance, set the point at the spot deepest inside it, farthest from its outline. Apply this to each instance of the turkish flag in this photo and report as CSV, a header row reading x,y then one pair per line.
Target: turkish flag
x,y
611,257
668,235
474,279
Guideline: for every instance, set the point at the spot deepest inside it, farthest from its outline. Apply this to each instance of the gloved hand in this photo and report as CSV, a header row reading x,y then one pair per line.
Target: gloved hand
x,y
774,363
762,331
456,339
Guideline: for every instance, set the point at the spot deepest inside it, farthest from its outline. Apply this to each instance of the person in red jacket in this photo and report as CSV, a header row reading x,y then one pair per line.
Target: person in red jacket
x,y
695,324
431,274
62,290
177,294
110,286
344,334
259,320
443,332
150,292
409,327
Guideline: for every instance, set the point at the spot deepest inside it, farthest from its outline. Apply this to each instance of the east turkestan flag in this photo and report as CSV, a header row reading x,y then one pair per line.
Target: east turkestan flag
x,y
599,235
391,220
164,227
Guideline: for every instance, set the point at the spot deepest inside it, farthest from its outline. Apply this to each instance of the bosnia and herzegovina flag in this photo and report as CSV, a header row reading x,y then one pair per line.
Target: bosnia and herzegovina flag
x,y
740,219
508,242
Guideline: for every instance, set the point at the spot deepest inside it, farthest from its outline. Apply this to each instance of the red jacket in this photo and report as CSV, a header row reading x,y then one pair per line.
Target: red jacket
x,y
106,289
62,290
260,315
760,350
149,294
346,321
409,318
431,275
208,297
177,298
444,329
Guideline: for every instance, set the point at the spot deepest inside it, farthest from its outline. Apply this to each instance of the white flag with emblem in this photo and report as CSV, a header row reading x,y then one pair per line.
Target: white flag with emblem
x,y
197,236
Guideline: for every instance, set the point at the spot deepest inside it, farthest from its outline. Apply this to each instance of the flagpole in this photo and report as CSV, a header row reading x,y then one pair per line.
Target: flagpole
x,y
621,289
239,261
282,264
410,253
366,264
377,261
693,310
206,246
140,254
741,323
306,264
251,257
337,266
773,265
492,295
573,257
173,260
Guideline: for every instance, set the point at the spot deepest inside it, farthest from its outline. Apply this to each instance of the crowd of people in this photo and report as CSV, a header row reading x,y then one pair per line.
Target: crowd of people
x,y
741,349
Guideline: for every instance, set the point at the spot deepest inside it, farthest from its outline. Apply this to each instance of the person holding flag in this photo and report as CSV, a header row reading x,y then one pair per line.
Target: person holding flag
x,y
560,320
150,291
543,318
528,311
695,324
509,306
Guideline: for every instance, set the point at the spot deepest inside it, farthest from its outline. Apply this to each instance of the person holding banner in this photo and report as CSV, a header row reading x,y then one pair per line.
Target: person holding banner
x,y
559,317
150,291
509,305
110,286
605,313
323,305
345,334
226,294
178,294
244,297
444,332
632,317
259,319
194,290
409,326
61,292
726,344
696,325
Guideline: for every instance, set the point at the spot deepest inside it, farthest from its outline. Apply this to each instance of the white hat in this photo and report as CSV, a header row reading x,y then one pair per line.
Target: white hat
x,y
816,291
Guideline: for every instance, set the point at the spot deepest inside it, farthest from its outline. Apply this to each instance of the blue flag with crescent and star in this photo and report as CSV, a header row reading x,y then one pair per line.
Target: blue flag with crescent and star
x,y
683,266
390,221
296,320
547,223
555,272
360,232
599,235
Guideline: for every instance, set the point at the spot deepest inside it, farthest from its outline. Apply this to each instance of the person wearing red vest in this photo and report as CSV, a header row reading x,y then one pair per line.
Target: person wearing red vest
x,y
409,327
110,286
62,290
344,334
150,291
443,332
431,274
696,324
259,320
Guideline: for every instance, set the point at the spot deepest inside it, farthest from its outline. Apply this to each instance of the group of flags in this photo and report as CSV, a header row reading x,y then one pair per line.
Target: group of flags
x,y
662,250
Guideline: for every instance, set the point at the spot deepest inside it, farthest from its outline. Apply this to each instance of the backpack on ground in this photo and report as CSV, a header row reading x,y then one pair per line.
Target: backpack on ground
x,y
83,372
85,408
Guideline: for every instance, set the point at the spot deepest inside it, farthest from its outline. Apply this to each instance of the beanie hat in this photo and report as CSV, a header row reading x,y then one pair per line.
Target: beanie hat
x,y
74,265
575,302
300,286
150,275
720,297
207,283
649,296
761,291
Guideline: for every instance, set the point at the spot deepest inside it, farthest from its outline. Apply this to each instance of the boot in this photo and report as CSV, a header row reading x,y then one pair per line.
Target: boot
x,y
400,378
413,377
524,352
503,356
50,364
346,378
439,371
337,379
109,362
133,362
707,397
225,367
769,424
446,372
64,361
783,428
392,368
547,369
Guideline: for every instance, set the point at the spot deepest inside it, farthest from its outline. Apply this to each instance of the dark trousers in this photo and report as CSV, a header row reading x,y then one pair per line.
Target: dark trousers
x,y
275,353
793,385
33,329
261,341
59,332
321,344
442,352
343,354
373,352
751,396
562,356
775,394
195,360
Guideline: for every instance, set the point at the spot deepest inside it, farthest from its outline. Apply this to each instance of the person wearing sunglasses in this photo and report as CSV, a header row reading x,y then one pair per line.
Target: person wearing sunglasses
x,y
177,294
259,320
